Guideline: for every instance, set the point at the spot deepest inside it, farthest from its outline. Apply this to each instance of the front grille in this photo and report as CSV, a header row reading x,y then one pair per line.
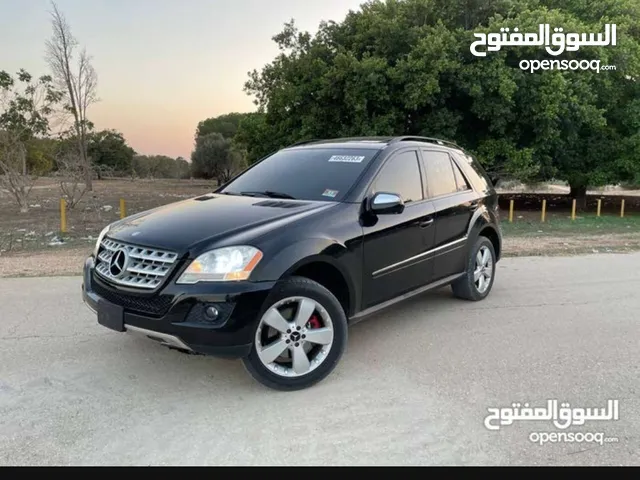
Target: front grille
x,y
137,267
156,305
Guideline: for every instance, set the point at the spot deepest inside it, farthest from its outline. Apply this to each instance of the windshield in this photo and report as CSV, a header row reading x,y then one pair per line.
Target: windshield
x,y
319,174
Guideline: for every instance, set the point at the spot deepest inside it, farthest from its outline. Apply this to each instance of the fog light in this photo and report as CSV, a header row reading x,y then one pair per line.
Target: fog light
x,y
211,313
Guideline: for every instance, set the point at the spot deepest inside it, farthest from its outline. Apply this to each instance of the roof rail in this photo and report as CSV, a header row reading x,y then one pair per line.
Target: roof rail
x,y
303,142
410,138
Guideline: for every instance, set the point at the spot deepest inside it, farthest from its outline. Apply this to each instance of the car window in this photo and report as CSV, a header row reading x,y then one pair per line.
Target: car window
x,y
461,182
305,174
440,177
401,175
475,171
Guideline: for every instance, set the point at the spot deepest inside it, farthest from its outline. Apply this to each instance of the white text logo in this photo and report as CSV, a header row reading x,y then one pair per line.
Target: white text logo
x,y
562,417
570,42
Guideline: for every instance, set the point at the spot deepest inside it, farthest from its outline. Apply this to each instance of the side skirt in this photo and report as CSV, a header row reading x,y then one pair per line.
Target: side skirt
x,y
358,317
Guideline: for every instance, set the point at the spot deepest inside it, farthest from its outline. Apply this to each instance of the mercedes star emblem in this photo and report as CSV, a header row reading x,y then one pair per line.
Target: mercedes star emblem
x,y
118,263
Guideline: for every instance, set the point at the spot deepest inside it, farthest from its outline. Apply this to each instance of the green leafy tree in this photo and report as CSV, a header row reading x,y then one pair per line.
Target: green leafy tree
x,y
109,151
253,137
160,166
182,168
41,155
404,67
226,125
215,157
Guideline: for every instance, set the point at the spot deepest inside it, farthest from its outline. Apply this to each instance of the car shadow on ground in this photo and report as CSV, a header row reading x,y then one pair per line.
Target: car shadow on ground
x,y
156,364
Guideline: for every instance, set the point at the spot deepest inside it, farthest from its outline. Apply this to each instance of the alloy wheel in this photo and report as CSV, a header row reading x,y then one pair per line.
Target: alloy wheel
x,y
294,336
483,271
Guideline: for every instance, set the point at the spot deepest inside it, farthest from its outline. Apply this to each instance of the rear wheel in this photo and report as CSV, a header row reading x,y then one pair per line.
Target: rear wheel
x,y
478,280
300,336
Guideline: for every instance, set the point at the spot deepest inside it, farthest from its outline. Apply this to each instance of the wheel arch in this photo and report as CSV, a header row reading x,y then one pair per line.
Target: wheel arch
x,y
482,224
328,272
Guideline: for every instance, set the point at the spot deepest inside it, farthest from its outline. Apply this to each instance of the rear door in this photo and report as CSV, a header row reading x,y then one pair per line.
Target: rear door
x,y
454,201
395,245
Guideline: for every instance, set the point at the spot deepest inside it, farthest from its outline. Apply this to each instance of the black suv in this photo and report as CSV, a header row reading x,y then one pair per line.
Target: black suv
x,y
275,265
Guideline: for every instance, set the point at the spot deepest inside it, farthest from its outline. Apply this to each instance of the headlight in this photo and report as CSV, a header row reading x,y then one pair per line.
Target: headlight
x,y
100,237
222,265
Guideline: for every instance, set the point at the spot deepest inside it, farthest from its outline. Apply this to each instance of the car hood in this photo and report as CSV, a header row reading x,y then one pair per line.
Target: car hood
x,y
188,224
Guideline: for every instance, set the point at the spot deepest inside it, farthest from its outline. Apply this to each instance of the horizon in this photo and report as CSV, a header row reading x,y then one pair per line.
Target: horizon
x,y
161,70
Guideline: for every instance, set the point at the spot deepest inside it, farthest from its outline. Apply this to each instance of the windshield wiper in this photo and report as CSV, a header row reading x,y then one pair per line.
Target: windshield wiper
x,y
269,194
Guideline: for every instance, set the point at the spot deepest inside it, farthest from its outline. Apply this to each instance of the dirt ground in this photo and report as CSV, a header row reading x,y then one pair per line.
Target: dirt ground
x,y
31,244
40,227
69,261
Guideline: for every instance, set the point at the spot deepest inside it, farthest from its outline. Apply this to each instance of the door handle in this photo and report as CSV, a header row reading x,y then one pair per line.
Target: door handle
x,y
474,205
426,223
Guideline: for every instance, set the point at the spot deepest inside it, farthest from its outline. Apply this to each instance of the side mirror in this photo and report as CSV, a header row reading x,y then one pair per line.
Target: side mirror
x,y
386,203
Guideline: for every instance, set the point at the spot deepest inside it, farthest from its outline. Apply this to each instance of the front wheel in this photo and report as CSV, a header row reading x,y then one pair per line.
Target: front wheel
x,y
300,337
478,279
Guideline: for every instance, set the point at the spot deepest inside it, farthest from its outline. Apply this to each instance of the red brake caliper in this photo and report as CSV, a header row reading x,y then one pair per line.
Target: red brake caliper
x,y
314,322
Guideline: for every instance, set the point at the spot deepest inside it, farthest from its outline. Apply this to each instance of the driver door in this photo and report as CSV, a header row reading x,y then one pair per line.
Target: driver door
x,y
395,245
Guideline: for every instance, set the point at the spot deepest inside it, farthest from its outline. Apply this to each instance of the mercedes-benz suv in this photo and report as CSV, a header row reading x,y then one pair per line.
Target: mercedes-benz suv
x,y
274,266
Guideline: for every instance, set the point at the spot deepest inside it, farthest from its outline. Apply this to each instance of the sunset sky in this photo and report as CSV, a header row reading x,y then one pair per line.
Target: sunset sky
x,y
163,65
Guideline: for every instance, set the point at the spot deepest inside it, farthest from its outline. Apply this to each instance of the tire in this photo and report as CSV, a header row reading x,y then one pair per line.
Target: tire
x,y
466,287
322,317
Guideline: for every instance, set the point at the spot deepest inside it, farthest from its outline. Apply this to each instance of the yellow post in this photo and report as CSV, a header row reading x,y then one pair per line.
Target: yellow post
x,y
573,210
599,206
544,209
511,211
622,209
63,215
123,208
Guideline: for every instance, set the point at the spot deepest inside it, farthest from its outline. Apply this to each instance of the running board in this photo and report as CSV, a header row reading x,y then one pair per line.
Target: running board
x,y
376,308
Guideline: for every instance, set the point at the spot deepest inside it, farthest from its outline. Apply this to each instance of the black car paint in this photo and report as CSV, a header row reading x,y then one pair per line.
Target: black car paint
x,y
382,259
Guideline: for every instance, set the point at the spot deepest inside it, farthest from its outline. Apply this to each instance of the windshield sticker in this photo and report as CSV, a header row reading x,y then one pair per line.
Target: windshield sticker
x,y
330,193
346,159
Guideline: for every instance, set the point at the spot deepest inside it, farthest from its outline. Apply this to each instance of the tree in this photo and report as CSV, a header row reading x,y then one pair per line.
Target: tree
x,y
41,155
108,151
215,157
226,125
79,82
25,107
182,168
404,67
238,128
160,166
253,137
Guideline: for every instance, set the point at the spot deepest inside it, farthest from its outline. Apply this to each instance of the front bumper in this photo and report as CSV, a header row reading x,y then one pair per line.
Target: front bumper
x,y
174,316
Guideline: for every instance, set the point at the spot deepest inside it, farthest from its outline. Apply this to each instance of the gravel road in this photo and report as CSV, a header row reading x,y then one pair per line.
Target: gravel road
x,y
414,387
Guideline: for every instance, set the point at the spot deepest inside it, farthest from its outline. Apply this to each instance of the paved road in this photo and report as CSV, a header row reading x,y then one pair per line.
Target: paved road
x,y
413,388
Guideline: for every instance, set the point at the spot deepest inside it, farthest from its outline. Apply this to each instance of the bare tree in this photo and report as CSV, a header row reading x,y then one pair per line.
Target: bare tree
x,y
71,172
79,81
13,169
25,107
